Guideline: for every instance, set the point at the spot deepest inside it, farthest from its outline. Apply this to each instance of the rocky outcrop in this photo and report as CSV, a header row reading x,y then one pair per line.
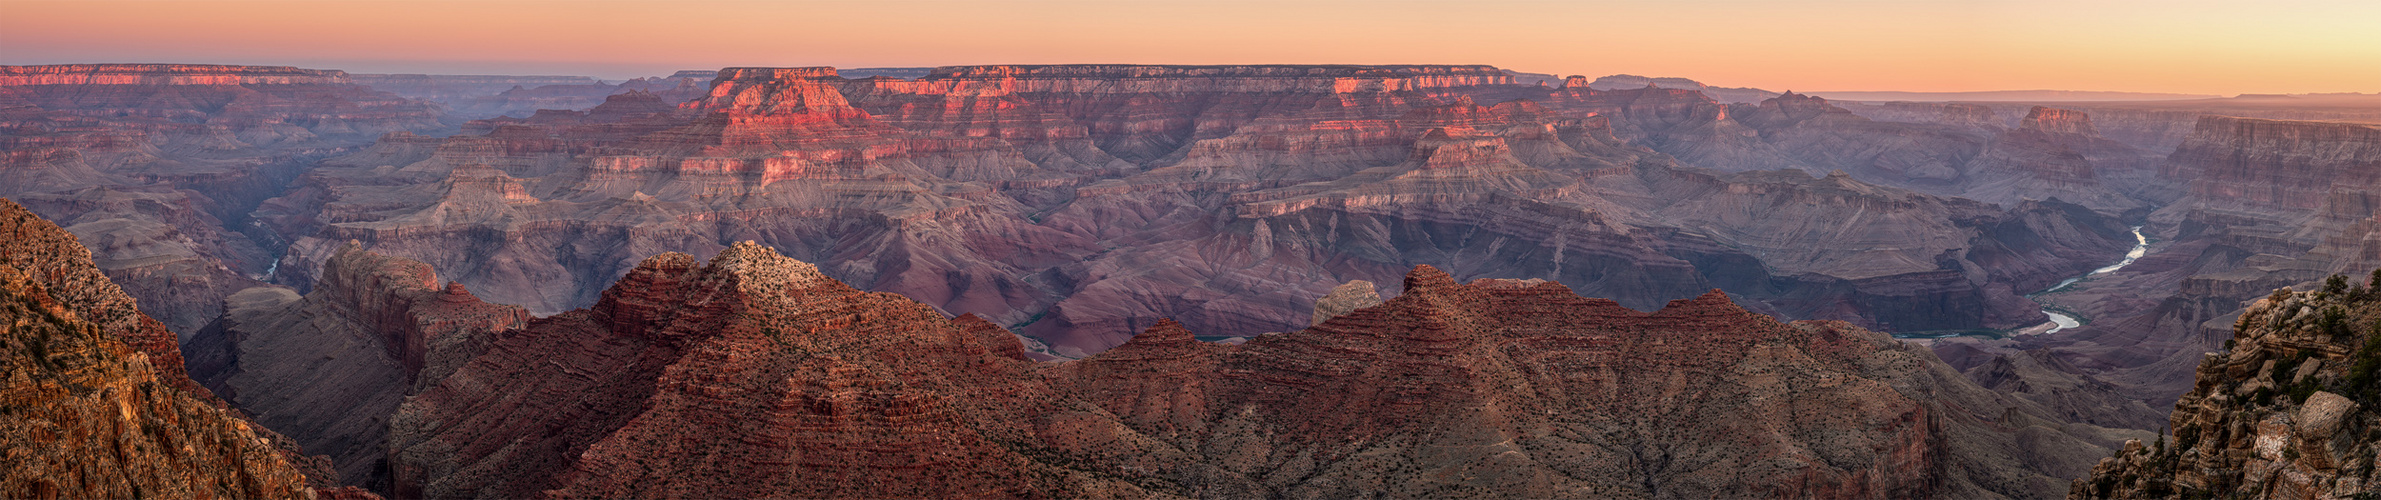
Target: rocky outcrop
x,y
1349,296
359,343
90,417
62,267
2285,410
97,405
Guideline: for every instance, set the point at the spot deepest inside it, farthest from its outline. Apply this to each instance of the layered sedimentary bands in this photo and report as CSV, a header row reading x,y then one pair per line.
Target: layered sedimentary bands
x,y
155,167
94,403
1080,203
2285,410
752,374
2270,204
1055,210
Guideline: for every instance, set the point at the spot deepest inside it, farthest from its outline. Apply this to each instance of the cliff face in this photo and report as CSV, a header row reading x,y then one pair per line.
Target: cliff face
x,y
97,402
2269,164
1084,202
387,322
2284,411
2058,153
756,375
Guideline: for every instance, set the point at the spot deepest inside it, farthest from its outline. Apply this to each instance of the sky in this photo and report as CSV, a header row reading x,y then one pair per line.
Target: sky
x,y
2179,46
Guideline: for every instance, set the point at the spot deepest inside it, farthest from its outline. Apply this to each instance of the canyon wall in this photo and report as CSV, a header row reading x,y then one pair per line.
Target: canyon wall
x,y
1045,198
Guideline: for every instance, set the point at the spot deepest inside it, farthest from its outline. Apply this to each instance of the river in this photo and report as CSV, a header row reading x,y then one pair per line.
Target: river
x,y
2062,321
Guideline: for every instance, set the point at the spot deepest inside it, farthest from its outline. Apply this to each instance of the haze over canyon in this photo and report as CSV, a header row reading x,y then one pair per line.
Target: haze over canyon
x,y
1123,280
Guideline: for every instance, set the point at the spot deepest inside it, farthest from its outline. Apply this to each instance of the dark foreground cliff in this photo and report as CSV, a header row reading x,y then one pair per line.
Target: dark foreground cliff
x,y
2285,411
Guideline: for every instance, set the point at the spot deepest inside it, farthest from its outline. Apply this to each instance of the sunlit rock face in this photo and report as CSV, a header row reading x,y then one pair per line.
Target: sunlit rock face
x,y
1081,203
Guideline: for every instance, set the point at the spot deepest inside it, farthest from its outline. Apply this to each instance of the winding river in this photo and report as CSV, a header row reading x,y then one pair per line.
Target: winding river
x,y
2062,321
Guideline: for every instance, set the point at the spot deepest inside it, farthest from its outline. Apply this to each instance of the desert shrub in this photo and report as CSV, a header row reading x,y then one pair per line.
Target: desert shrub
x,y
2364,384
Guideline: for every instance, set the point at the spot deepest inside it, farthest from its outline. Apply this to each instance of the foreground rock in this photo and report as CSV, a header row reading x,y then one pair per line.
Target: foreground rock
x,y
95,407
2285,411
756,375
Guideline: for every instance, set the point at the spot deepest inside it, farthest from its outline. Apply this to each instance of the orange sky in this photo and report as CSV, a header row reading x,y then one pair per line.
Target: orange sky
x,y
2187,46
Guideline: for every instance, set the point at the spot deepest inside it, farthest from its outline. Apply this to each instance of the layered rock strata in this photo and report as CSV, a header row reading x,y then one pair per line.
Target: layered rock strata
x,y
756,375
1082,202
2271,204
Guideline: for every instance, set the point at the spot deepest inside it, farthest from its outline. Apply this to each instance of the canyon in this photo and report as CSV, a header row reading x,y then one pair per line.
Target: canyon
x,y
1039,197
904,281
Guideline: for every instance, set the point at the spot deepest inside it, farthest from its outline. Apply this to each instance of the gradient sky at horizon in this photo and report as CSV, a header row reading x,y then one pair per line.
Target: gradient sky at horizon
x,y
2182,46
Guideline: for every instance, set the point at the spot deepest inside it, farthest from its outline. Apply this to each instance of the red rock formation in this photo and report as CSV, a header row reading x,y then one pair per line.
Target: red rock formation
x,y
62,266
813,388
756,375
